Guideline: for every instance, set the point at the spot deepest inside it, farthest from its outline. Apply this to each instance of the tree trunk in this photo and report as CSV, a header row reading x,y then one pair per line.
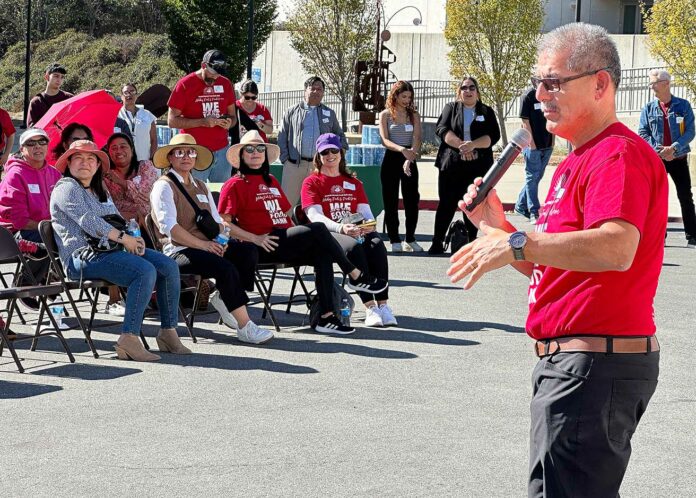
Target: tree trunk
x,y
500,111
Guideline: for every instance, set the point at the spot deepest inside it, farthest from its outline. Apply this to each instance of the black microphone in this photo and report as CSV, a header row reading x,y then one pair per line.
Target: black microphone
x,y
520,139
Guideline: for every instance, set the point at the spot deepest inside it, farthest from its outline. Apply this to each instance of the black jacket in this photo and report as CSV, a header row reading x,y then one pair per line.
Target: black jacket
x,y
452,119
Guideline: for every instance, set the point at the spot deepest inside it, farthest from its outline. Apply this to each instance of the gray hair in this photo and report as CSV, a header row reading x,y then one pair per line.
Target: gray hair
x,y
589,47
660,75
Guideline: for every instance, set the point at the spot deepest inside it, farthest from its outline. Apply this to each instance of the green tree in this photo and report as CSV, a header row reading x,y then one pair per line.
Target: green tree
x,y
494,41
330,36
671,28
196,26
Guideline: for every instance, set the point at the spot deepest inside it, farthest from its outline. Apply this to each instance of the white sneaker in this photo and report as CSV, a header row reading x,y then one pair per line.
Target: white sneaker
x,y
373,318
115,309
412,247
253,334
216,301
388,318
397,247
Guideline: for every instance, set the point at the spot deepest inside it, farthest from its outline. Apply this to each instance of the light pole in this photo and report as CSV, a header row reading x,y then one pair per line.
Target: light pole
x,y
250,38
27,60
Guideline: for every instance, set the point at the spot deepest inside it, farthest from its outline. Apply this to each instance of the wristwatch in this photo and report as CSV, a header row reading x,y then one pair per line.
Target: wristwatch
x,y
518,241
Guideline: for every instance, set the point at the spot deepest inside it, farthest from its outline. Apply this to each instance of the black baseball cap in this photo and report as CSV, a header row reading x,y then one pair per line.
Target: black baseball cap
x,y
215,60
56,68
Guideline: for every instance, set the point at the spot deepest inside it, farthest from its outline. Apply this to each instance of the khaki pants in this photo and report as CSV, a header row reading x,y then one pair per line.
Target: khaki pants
x,y
293,176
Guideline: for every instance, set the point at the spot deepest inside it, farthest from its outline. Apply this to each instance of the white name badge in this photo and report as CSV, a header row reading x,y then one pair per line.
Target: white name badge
x,y
326,112
479,118
202,198
537,106
325,120
34,188
348,186
274,191
218,89
680,119
408,127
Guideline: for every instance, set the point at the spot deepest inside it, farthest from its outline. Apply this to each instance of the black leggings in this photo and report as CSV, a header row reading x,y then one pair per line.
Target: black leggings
x,y
233,273
451,187
370,257
310,244
392,174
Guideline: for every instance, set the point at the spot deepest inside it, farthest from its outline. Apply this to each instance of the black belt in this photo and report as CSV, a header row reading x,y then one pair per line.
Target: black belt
x,y
307,159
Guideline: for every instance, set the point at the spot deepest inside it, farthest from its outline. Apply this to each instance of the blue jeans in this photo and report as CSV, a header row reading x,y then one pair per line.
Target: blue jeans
x,y
139,274
535,164
219,172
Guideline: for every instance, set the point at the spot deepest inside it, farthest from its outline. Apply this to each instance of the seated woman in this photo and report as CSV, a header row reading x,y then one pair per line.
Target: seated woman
x,y
78,204
330,194
254,201
231,265
129,182
71,133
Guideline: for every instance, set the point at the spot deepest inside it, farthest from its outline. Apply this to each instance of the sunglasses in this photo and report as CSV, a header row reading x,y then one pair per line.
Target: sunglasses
x,y
250,97
179,153
250,149
33,143
553,85
470,88
326,152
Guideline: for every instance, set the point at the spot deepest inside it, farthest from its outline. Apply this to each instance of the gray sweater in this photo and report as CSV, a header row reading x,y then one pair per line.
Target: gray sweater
x,y
75,210
290,134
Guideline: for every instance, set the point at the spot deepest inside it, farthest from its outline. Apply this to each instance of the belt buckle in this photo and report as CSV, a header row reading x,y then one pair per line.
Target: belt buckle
x,y
547,348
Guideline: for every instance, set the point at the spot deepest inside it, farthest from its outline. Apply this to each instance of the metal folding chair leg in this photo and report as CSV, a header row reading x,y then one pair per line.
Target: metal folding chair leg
x,y
263,292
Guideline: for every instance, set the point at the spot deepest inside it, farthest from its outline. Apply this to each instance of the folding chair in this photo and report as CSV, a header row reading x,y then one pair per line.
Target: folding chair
x,y
9,252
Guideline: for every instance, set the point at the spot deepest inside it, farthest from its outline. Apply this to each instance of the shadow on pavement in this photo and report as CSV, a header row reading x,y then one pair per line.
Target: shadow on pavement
x,y
18,390
222,362
427,285
448,325
397,334
84,371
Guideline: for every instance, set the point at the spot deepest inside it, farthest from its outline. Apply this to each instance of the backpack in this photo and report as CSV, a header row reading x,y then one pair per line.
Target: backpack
x,y
457,236
339,295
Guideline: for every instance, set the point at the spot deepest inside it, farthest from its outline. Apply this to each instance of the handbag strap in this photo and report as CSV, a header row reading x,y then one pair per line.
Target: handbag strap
x,y
176,182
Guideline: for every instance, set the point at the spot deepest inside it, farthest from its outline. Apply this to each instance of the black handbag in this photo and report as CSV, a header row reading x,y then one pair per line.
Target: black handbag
x,y
456,237
204,220
103,244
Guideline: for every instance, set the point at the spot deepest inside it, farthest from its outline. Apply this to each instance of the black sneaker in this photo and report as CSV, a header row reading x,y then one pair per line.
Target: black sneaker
x,y
332,325
436,248
369,285
691,243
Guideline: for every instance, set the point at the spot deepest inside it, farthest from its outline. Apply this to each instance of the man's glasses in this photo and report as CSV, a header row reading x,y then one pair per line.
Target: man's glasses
x,y
469,88
251,97
129,92
250,149
34,143
180,153
74,139
326,152
553,85
653,83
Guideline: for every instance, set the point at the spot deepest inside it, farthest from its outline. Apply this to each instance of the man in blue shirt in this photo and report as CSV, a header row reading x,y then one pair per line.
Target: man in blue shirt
x,y
667,124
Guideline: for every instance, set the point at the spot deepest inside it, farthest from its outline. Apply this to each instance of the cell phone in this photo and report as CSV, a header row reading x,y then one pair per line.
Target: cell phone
x,y
225,116
368,224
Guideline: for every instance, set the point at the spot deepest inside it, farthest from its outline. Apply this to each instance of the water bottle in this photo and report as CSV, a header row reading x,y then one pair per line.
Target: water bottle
x,y
223,237
58,312
345,311
133,228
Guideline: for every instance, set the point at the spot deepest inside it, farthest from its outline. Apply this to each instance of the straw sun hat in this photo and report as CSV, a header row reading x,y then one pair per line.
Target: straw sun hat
x,y
252,138
203,160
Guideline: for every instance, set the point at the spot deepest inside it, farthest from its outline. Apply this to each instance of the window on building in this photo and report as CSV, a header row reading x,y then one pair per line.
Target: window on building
x,y
632,17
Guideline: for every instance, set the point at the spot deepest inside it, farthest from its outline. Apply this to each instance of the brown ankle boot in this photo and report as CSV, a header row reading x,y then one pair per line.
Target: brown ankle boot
x,y
129,347
168,342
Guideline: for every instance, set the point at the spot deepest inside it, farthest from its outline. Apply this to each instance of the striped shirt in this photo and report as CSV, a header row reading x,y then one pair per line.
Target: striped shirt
x,y
400,134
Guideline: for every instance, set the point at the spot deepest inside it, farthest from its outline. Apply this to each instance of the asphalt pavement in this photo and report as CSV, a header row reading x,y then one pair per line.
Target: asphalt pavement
x,y
437,406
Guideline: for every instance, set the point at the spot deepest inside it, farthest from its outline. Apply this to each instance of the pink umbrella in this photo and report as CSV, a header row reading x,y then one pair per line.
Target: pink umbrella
x,y
95,109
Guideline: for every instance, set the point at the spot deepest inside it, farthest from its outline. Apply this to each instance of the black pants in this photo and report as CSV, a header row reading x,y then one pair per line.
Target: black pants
x,y
311,244
233,273
451,187
678,169
585,408
370,257
391,174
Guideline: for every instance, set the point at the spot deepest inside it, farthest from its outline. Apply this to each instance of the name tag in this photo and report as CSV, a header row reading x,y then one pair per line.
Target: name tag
x,y
408,127
479,118
680,119
274,191
34,188
537,106
325,120
202,198
348,186
218,89
326,112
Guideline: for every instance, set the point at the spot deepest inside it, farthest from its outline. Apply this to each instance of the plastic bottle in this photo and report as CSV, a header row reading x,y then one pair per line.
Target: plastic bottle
x,y
133,228
58,312
223,237
345,311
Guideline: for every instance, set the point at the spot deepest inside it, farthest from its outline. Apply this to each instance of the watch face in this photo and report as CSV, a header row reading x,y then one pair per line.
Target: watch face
x,y
518,240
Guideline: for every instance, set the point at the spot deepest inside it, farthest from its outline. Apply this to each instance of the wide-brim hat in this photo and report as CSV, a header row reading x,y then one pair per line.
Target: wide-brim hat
x,y
203,161
82,146
252,137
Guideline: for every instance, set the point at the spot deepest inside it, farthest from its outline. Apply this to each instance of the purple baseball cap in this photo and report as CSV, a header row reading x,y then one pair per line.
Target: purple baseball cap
x,y
328,141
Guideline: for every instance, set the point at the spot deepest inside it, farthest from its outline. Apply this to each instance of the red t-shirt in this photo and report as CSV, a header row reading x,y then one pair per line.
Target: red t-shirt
x,y
7,127
339,196
616,175
197,100
260,113
257,208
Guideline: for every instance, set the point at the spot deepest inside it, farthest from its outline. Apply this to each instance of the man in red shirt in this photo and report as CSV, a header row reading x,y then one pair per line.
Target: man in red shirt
x,y
42,102
593,262
7,135
203,105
